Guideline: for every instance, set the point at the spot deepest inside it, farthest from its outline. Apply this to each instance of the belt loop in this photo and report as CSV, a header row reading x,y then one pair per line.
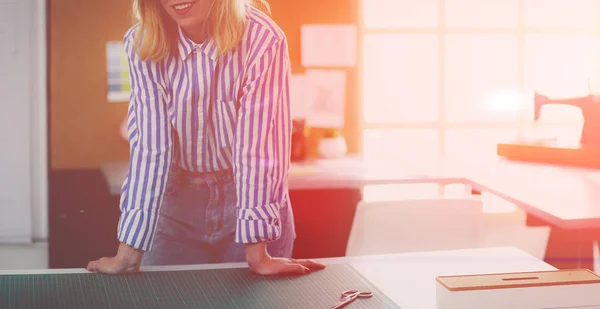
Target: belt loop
x,y
206,178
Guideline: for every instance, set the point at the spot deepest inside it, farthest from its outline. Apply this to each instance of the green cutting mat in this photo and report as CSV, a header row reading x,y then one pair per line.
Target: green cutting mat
x,y
219,288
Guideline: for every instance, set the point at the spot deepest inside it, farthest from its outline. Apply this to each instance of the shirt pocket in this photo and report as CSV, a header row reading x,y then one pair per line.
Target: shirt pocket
x,y
225,121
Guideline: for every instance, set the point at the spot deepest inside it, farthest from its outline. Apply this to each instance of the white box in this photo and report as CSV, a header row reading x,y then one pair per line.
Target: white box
x,y
564,289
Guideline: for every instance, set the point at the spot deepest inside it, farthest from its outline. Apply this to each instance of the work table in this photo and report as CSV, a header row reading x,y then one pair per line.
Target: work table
x,y
408,279
348,172
565,198
543,190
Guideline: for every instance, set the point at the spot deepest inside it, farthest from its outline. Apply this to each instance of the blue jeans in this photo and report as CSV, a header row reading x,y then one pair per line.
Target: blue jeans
x,y
197,222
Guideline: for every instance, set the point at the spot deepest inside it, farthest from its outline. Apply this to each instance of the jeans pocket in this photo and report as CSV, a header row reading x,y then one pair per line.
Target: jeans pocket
x,y
173,181
228,206
186,204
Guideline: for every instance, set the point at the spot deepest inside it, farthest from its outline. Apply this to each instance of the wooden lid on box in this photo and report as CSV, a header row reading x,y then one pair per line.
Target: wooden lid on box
x,y
518,280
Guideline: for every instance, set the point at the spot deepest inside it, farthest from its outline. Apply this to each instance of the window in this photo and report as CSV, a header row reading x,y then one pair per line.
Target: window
x,y
458,76
397,144
560,65
482,13
477,142
400,13
473,69
561,13
482,77
401,78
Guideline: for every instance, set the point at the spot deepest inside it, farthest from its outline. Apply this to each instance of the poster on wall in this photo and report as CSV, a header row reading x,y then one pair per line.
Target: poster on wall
x,y
119,87
326,98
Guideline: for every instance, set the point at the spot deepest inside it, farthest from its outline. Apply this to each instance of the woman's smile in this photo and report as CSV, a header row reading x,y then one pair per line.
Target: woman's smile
x,y
189,15
183,8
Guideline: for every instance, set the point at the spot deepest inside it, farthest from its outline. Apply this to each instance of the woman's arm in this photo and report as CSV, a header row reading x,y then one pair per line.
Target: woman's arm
x,y
262,145
262,155
150,140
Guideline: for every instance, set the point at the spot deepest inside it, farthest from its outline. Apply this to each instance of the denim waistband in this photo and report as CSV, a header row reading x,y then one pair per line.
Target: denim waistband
x,y
206,177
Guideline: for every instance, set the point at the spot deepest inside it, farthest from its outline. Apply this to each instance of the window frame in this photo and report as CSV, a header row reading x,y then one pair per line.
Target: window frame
x,y
441,31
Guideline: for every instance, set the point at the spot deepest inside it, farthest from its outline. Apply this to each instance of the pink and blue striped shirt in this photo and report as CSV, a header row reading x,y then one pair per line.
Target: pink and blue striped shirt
x,y
228,111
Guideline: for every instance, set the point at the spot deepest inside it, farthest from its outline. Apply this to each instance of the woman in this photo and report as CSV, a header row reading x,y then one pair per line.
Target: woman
x,y
209,133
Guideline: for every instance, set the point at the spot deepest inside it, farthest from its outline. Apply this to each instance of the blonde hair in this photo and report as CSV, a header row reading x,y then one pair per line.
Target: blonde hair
x,y
157,34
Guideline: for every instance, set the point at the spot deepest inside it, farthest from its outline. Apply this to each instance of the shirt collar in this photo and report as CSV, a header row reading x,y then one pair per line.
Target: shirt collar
x,y
187,46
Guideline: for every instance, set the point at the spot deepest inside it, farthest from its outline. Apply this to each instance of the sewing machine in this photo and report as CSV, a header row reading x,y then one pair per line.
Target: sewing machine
x,y
586,153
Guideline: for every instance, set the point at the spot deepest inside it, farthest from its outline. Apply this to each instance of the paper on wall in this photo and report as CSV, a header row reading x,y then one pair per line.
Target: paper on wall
x,y
298,96
117,71
328,45
326,97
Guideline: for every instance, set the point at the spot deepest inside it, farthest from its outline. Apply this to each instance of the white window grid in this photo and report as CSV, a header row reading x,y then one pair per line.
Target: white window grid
x,y
442,30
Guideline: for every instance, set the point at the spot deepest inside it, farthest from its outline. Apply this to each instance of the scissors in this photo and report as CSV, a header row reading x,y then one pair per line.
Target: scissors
x,y
349,296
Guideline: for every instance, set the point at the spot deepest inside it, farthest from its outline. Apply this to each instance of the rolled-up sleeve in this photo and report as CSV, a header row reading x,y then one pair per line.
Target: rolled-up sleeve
x,y
150,140
262,145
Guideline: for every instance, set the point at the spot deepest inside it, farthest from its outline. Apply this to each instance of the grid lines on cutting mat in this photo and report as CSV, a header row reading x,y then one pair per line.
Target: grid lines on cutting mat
x,y
216,288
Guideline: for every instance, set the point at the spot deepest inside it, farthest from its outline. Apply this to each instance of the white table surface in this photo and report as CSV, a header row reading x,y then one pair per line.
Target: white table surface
x,y
568,197
409,278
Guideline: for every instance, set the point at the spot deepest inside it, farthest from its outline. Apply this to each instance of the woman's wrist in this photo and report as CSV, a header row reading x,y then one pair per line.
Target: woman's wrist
x,y
128,254
256,253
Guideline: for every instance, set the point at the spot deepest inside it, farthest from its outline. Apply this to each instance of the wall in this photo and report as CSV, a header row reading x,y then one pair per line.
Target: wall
x,y
39,122
16,79
84,126
291,15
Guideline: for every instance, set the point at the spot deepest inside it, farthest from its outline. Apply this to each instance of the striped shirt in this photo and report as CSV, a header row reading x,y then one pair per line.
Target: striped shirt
x,y
227,111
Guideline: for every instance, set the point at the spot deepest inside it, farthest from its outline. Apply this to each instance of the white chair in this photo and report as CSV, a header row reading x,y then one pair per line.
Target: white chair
x,y
416,225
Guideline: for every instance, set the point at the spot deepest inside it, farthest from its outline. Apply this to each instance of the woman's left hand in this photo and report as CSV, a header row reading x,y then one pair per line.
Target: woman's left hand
x,y
126,261
263,264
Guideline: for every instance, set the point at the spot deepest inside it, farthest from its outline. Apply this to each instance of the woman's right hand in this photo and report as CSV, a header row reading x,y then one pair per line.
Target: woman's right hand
x,y
262,263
